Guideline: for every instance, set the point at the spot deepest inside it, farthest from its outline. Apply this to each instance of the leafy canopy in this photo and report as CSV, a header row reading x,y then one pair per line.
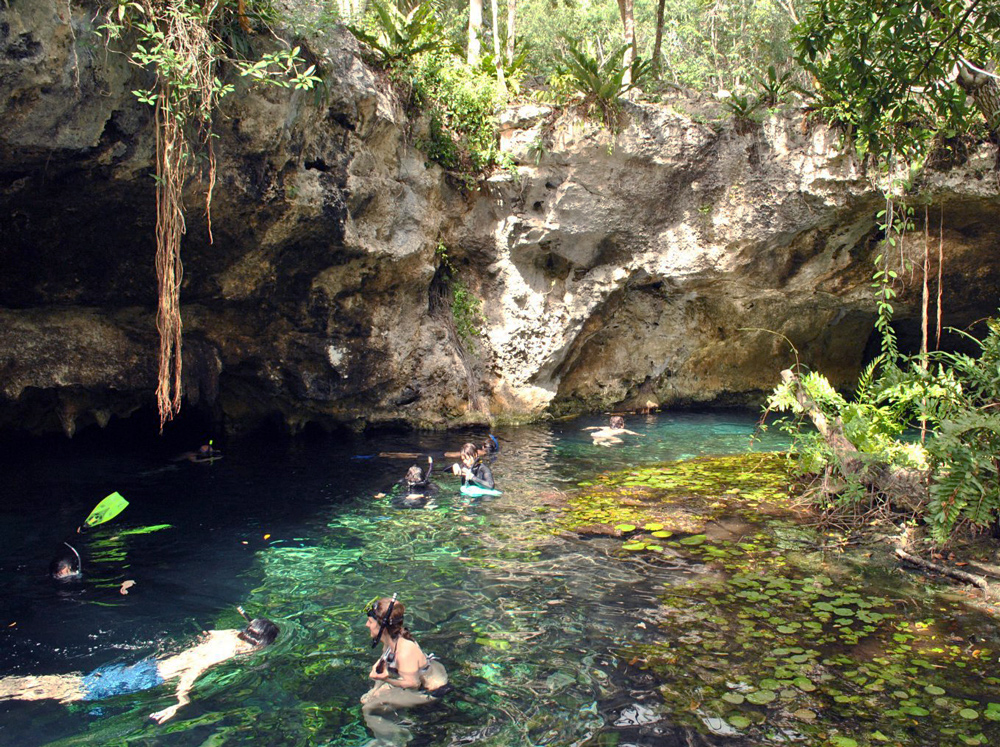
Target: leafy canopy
x,y
889,71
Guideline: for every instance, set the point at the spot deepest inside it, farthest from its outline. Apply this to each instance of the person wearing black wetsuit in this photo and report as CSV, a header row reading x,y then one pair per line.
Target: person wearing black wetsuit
x,y
417,486
472,469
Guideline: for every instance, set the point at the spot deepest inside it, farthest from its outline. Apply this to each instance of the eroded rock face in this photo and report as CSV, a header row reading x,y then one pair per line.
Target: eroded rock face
x,y
677,264
671,263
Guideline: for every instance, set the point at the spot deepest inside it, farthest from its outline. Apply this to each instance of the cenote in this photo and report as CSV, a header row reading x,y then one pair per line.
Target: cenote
x,y
644,594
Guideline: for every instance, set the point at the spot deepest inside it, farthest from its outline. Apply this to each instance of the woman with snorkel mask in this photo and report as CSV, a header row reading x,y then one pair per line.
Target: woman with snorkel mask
x,y
404,676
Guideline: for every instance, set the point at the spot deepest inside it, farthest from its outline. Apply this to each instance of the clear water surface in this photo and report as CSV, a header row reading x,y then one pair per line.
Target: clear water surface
x,y
531,624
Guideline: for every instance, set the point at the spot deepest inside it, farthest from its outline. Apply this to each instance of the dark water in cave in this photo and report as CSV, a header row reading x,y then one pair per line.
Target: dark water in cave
x,y
539,630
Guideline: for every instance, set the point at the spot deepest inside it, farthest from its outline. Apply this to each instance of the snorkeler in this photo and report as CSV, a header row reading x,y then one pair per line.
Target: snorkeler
x,y
490,447
417,486
206,454
472,469
66,566
215,647
607,435
404,676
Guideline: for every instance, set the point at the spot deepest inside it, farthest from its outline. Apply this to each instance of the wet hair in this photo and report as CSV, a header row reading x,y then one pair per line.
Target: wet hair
x,y
62,568
414,475
260,633
394,627
490,445
65,565
617,421
470,450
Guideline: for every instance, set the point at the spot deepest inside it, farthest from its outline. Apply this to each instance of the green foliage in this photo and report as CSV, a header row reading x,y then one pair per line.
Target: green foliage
x,y
398,36
601,82
466,307
467,310
186,70
966,449
462,106
886,70
955,395
773,87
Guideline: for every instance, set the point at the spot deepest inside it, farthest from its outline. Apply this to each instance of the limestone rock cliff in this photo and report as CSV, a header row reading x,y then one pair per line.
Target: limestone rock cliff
x,y
671,263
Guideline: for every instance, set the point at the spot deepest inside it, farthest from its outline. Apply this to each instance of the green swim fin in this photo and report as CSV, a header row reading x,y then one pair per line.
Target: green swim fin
x,y
106,510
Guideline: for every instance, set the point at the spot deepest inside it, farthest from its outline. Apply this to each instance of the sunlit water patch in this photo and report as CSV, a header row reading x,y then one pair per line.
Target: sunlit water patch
x,y
602,599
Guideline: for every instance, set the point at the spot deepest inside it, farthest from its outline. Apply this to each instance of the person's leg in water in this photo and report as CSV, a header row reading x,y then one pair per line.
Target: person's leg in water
x,y
66,688
379,707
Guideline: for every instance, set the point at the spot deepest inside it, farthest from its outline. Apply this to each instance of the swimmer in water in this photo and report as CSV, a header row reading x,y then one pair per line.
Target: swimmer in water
x,y
403,675
472,469
206,454
66,566
214,647
609,434
418,487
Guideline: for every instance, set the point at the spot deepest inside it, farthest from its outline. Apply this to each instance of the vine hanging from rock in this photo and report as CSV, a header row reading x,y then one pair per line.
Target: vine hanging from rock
x,y
181,43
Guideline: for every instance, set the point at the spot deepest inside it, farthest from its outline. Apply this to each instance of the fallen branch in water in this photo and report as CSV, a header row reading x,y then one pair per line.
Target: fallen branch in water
x,y
902,542
944,570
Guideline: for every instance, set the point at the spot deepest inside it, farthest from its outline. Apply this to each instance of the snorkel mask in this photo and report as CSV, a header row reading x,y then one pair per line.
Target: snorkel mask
x,y
371,611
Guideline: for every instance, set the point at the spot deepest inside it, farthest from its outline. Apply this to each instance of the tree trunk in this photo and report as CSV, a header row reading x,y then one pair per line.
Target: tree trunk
x,y
511,13
985,91
626,8
497,59
658,44
475,29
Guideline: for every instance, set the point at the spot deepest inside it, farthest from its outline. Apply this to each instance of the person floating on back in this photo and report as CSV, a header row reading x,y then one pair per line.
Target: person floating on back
x,y
215,647
472,469
608,435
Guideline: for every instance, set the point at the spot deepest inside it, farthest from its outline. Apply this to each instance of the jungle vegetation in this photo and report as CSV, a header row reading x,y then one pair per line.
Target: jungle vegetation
x,y
903,81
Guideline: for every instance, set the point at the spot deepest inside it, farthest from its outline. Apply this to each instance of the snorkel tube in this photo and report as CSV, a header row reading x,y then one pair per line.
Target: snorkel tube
x,y
384,622
244,614
79,562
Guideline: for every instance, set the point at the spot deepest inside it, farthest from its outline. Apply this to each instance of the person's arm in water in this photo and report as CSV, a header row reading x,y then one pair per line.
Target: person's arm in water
x,y
189,665
183,688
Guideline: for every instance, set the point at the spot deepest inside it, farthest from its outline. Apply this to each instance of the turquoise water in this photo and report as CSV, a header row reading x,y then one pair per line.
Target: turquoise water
x,y
528,623
550,638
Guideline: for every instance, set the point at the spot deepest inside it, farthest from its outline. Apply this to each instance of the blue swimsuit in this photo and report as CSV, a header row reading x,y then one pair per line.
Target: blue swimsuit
x,y
121,679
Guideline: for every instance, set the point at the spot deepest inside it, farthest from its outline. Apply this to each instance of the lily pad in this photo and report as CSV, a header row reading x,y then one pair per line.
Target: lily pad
x,y
694,540
804,684
734,698
653,527
804,714
663,534
761,697
625,528
738,722
969,714
632,546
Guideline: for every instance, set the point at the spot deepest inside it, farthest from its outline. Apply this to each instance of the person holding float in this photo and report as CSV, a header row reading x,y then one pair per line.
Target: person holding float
x,y
477,478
